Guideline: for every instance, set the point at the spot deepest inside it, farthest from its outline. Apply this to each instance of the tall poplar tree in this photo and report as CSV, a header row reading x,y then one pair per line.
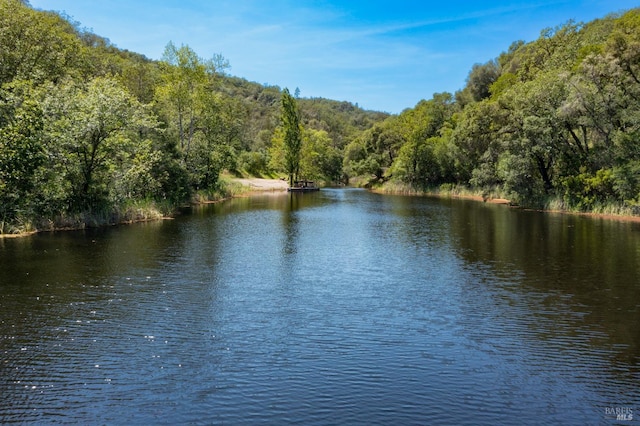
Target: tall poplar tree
x,y
290,118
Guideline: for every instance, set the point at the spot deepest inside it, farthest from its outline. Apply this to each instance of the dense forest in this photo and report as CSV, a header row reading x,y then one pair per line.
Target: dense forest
x,y
93,134
553,124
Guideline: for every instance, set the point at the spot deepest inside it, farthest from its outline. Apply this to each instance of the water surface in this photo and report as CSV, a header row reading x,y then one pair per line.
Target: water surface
x,y
337,307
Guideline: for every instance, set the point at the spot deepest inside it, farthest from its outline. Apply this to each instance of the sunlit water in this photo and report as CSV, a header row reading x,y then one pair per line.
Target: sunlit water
x,y
337,307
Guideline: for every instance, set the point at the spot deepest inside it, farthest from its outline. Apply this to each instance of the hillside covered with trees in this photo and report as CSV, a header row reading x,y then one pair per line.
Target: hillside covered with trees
x,y
554,123
92,134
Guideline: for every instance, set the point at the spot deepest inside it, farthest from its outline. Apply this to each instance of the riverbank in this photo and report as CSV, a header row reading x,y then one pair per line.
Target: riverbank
x,y
132,213
503,201
241,187
467,194
456,192
145,212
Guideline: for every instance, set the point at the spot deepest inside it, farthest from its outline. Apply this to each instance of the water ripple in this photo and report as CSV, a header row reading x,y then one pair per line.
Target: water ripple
x,y
349,309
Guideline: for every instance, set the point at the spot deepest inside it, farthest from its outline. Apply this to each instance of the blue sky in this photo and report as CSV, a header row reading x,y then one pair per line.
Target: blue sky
x,y
383,55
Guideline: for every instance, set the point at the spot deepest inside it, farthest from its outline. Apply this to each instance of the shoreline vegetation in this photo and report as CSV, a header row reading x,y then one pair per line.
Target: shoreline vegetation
x,y
245,187
147,211
615,213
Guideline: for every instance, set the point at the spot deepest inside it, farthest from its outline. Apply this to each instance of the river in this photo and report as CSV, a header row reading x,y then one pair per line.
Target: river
x,y
335,307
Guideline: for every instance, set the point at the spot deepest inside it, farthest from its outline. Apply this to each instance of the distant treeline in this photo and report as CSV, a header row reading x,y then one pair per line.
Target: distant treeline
x,y
90,132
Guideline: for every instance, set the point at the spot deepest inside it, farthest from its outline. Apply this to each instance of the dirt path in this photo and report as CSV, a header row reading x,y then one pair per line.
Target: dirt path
x,y
257,184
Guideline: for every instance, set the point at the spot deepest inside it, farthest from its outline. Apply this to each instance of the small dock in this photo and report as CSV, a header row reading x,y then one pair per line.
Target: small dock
x,y
303,186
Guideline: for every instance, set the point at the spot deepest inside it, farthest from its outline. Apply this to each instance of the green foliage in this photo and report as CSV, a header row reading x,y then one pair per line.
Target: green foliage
x,y
21,150
36,46
481,78
291,135
320,160
423,159
254,163
472,137
626,182
206,124
516,175
92,131
180,94
585,190
502,84
557,118
140,76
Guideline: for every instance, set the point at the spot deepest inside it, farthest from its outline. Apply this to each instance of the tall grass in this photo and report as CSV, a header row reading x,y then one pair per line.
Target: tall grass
x,y
224,189
128,212
444,190
20,225
601,208
551,203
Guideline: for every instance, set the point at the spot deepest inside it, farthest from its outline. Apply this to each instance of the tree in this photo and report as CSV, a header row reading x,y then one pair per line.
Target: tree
x,y
222,125
21,151
602,112
202,122
472,136
77,137
481,78
319,159
92,131
37,46
555,49
140,77
426,131
533,137
184,80
292,135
